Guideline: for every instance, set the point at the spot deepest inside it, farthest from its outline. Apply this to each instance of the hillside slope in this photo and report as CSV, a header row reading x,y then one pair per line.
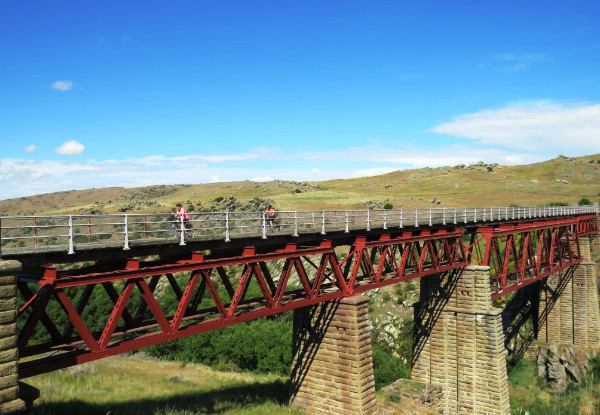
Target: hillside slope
x,y
563,179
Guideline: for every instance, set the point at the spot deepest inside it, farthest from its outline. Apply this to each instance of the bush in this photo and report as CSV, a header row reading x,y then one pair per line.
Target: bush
x,y
262,346
387,368
388,206
584,201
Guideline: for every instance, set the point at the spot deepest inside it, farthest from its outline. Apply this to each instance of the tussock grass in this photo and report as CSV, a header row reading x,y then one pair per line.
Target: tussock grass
x,y
558,180
530,394
138,385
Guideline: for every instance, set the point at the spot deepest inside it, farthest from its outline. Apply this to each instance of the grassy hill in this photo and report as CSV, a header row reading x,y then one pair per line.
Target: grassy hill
x,y
128,385
563,179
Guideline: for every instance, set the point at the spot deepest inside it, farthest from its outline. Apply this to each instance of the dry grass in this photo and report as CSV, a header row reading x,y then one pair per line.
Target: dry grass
x,y
454,186
139,385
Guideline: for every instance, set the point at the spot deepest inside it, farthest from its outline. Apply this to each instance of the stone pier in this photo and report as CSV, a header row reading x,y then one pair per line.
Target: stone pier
x,y
10,402
569,309
332,371
459,343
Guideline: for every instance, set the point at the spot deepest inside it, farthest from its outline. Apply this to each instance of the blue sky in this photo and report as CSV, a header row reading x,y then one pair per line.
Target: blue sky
x,y
132,93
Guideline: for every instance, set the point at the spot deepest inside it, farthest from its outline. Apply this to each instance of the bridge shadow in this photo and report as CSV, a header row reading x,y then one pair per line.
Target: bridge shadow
x,y
524,307
435,293
310,327
212,402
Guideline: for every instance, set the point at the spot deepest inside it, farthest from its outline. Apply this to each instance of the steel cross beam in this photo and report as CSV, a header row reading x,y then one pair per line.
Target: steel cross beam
x,y
520,254
212,292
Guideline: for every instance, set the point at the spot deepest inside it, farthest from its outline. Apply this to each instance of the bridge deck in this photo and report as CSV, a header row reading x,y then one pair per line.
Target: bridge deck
x,y
38,239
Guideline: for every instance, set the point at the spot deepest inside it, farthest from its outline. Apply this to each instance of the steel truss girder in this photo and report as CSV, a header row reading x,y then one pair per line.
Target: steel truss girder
x,y
587,225
519,255
317,273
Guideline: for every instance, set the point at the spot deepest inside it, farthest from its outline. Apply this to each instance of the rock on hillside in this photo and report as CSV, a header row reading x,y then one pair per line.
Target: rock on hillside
x,y
560,180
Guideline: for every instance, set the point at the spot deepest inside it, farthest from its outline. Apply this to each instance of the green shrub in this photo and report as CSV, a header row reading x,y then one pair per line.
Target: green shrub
x,y
386,297
584,201
386,367
388,206
262,346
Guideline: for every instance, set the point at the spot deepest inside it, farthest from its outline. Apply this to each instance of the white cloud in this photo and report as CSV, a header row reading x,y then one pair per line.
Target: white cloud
x,y
534,127
491,136
62,85
261,179
216,159
20,177
516,62
71,148
30,149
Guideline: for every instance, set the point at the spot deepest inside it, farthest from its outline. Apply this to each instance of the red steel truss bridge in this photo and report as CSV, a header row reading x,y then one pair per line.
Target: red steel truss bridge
x,y
220,281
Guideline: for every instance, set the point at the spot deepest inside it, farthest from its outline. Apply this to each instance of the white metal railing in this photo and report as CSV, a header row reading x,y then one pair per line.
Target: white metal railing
x,y
17,233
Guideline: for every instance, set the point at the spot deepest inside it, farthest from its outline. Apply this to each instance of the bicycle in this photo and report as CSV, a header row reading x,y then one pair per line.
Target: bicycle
x,y
176,229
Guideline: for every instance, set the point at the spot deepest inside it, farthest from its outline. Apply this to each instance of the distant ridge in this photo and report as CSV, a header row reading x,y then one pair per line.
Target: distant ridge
x,y
559,180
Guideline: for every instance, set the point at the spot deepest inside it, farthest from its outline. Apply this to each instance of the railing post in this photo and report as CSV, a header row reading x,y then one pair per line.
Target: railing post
x,y
401,219
430,222
295,223
34,231
444,217
416,218
347,224
368,219
323,223
384,220
227,227
182,225
475,216
264,226
126,246
454,222
71,251
465,213
484,214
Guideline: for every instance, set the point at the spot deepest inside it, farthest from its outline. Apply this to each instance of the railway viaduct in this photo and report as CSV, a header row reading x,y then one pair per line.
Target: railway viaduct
x,y
238,267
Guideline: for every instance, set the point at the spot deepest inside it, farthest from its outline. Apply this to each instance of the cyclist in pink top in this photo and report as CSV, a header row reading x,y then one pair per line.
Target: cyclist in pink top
x,y
182,213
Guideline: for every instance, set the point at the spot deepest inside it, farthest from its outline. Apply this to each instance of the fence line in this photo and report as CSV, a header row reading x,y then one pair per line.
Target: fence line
x,y
71,231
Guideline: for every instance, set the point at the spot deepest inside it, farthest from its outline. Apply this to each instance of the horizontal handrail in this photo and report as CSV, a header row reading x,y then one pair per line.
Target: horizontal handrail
x,y
51,231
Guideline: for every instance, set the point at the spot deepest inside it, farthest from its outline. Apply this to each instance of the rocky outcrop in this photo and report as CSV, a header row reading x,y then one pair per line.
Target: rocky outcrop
x,y
414,397
560,365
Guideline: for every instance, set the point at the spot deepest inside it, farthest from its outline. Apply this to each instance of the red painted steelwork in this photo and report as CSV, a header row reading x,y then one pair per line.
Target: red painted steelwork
x,y
519,255
282,280
587,225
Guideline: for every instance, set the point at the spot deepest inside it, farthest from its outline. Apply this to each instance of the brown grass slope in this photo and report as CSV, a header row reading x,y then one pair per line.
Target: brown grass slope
x,y
563,179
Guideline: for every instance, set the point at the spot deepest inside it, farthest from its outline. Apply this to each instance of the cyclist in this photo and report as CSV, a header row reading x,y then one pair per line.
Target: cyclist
x,y
182,213
271,216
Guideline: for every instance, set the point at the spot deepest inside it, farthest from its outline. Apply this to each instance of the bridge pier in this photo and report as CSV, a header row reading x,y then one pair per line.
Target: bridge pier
x,y
10,402
332,372
569,309
459,342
